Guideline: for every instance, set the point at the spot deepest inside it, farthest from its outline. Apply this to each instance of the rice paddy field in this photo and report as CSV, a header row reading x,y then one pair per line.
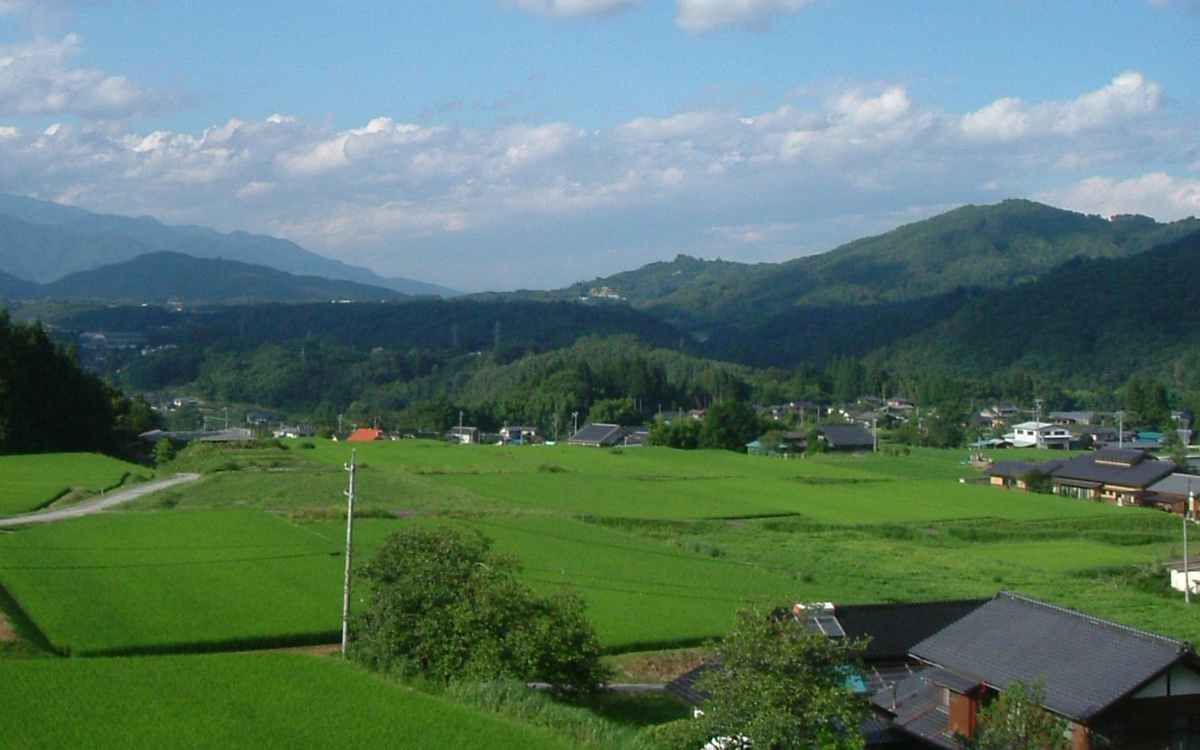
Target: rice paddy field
x,y
662,545
27,482
112,583
254,700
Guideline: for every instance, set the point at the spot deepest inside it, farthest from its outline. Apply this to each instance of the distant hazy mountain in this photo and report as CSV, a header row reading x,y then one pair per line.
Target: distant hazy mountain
x,y
175,276
988,247
43,241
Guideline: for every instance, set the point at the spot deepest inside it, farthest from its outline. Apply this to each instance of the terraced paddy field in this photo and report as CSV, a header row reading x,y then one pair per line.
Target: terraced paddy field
x,y
118,582
260,700
663,545
649,482
638,591
28,482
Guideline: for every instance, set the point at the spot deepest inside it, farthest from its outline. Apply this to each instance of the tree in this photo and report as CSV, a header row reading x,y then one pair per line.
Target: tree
x,y
1015,720
443,606
781,686
1037,480
164,452
730,425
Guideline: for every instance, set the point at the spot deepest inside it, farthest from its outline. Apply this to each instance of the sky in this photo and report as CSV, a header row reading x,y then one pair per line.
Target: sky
x,y
503,144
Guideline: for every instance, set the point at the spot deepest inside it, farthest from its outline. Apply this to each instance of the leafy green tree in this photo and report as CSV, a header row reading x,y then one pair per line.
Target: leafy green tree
x,y
679,433
614,411
443,606
781,686
730,425
770,441
163,451
1037,480
813,444
1015,720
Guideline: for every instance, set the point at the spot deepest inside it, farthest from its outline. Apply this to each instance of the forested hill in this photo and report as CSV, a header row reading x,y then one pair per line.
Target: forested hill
x,y
13,288
448,325
987,247
173,276
1093,321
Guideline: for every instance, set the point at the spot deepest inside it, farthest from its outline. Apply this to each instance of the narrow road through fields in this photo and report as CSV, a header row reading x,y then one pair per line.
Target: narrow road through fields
x,y
98,504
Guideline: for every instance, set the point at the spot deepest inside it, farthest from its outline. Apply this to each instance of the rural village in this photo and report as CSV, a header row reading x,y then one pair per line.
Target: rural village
x,y
599,375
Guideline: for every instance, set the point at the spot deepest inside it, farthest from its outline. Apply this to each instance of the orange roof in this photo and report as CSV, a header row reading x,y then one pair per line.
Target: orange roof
x,y
365,433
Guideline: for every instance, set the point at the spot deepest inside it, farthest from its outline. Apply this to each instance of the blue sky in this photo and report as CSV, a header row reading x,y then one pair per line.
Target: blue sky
x,y
530,143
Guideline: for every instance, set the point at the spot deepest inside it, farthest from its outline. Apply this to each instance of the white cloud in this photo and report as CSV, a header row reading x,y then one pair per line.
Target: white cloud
x,y
706,15
575,8
1156,194
1127,97
559,202
36,79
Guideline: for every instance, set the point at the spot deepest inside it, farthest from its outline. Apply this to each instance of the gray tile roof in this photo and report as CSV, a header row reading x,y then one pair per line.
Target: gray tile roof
x,y
1176,484
893,628
847,436
1127,468
1010,468
1085,663
916,708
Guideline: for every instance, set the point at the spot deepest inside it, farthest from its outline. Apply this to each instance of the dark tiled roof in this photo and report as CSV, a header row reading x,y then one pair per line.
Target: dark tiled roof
x,y
1010,468
916,707
1085,663
599,433
1113,467
1176,484
893,628
847,436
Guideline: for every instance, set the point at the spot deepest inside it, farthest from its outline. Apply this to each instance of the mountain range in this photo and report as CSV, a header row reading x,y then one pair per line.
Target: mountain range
x,y
41,241
971,247
163,276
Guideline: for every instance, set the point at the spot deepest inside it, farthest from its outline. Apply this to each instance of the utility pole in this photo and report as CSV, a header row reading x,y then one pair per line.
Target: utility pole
x,y
349,537
575,416
875,434
1121,431
556,427
1187,584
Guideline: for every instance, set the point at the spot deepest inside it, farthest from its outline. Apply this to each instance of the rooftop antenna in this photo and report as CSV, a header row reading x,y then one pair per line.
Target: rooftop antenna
x,y
349,537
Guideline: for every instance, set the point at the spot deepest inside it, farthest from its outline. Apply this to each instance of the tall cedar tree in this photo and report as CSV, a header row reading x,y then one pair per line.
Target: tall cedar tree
x,y
444,607
47,403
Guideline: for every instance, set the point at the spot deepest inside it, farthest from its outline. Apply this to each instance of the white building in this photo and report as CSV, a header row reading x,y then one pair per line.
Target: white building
x,y
1039,435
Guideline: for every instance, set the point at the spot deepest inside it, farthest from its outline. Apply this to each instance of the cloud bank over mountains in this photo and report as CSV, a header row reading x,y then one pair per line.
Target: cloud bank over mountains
x,y
760,185
542,201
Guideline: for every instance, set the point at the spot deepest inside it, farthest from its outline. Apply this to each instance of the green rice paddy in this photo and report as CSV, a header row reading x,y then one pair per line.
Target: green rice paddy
x,y
28,482
216,702
118,582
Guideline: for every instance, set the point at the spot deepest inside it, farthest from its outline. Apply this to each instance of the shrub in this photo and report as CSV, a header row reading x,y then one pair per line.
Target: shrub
x,y
444,607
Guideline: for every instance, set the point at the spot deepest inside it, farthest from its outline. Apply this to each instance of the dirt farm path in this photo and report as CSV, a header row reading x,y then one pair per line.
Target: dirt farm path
x,y
98,504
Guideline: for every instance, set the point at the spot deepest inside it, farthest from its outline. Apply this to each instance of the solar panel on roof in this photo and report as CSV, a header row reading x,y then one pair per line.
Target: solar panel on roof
x,y
829,625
